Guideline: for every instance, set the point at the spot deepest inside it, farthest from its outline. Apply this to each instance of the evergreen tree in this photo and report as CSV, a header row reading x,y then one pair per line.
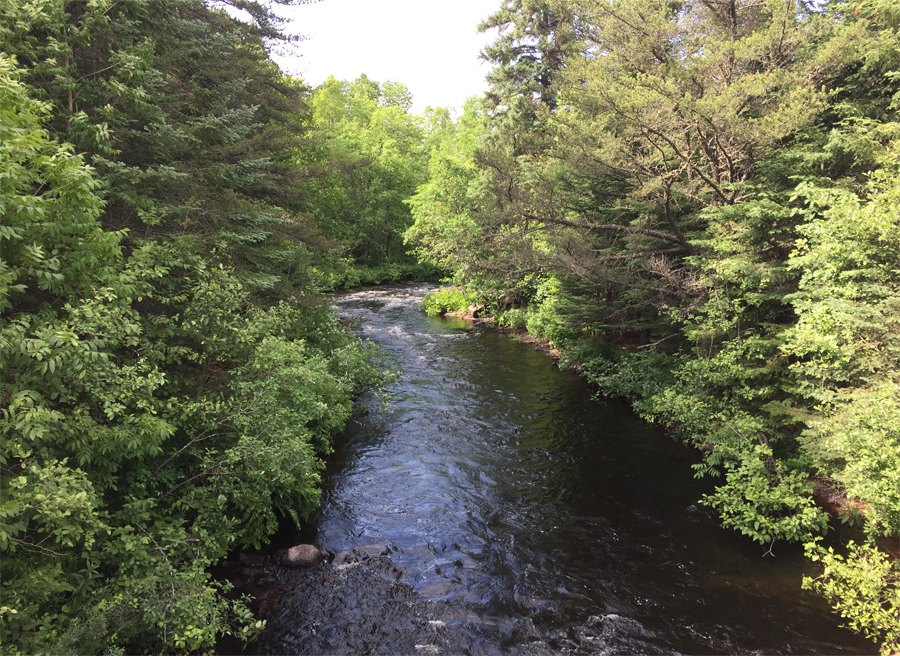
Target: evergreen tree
x,y
534,38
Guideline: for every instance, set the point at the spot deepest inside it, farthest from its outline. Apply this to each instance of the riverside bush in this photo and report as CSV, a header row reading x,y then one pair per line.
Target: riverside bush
x,y
447,299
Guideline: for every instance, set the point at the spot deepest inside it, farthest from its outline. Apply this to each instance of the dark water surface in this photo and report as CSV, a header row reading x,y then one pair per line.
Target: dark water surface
x,y
521,515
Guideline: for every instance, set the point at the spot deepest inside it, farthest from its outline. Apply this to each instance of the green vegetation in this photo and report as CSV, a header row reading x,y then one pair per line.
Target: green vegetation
x,y
697,201
367,154
446,299
864,587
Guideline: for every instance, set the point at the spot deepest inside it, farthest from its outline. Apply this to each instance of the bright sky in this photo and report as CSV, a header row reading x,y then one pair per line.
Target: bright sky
x,y
432,47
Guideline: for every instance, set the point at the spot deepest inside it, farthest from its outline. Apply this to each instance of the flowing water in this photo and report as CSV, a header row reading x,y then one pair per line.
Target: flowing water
x,y
517,514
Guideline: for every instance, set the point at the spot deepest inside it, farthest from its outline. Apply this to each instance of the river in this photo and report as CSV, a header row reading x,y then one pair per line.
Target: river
x,y
514,513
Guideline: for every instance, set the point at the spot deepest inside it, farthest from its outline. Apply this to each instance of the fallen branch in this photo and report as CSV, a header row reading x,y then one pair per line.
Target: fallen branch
x,y
659,342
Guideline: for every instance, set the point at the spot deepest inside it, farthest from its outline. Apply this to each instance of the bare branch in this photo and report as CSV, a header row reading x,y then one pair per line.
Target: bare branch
x,y
658,342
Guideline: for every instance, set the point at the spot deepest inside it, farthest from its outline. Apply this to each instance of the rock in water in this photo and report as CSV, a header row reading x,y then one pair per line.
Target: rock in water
x,y
249,560
371,550
344,559
303,555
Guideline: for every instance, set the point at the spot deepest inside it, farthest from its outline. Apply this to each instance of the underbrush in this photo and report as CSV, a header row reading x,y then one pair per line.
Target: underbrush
x,y
346,274
447,299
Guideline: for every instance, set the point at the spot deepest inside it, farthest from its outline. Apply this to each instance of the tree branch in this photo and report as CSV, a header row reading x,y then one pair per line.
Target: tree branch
x,y
606,227
634,256
656,343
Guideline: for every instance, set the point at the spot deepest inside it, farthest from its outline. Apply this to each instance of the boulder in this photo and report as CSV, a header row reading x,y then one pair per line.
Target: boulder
x,y
303,555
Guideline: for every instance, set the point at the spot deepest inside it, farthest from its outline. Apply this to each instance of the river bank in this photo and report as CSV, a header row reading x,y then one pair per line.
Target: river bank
x,y
826,494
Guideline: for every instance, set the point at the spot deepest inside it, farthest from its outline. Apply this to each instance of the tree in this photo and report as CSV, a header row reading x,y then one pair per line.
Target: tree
x,y
443,232
534,37
177,107
370,156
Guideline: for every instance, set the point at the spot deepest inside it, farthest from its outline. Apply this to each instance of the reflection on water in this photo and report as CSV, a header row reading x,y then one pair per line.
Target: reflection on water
x,y
504,492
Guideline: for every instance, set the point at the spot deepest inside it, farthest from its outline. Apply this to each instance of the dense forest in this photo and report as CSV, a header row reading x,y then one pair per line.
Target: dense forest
x,y
696,201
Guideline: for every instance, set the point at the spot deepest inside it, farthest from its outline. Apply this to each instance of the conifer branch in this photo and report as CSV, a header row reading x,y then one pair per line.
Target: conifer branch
x,y
606,227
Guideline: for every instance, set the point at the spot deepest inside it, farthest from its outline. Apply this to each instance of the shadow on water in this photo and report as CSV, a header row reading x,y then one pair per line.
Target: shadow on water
x,y
497,508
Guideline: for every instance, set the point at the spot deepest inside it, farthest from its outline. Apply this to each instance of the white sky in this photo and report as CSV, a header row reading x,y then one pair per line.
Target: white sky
x,y
430,46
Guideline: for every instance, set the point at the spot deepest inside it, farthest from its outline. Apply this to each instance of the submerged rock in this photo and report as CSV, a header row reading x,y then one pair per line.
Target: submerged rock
x,y
250,560
371,550
303,555
344,559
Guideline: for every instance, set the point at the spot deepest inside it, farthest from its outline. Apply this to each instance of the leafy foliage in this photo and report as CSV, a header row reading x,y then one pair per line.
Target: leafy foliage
x,y
170,386
846,342
446,299
370,156
864,588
